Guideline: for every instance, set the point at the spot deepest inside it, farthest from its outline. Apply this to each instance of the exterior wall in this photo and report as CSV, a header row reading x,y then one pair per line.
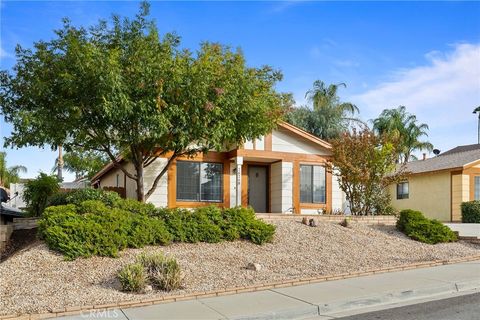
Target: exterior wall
x,y
284,141
338,196
460,193
428,193
160,196
17,202
110,180
233,187
281,186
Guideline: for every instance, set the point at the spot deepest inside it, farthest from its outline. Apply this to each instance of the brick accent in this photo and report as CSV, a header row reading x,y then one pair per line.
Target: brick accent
x,y
229,291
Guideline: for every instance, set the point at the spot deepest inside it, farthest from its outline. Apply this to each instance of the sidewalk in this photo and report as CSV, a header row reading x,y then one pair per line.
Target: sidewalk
x,y
306,301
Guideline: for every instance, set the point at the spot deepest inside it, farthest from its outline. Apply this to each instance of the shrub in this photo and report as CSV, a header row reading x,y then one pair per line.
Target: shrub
x,y
164,272
132,277
93,229
406,216
430,231
471,212
38,191
109,198
135,206
259,232
419,228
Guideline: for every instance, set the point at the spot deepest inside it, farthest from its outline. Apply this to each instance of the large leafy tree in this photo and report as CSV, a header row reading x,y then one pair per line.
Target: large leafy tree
x,y
366,165
327,116
122,89
8,174
404,126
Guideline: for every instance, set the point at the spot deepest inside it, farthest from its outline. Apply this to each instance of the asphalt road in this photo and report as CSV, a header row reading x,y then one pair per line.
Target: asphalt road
x,y
465,307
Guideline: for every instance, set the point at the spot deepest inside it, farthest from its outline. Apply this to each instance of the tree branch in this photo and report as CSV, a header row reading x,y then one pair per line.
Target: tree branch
x,y
116,164
160,175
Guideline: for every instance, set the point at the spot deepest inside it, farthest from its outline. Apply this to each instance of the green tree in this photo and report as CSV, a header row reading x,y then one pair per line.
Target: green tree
x,y
327,117
366,165
121,89
9,175
38,191
84,164
402,125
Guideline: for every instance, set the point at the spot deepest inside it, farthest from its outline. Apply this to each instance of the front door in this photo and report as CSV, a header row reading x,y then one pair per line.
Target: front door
x,y
257,188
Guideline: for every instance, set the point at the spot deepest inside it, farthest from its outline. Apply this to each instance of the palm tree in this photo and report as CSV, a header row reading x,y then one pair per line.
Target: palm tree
x,y
405,127
328,117
9,175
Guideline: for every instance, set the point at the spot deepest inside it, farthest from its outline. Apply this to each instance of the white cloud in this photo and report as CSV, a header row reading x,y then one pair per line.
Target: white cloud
x,y
4,54
442,93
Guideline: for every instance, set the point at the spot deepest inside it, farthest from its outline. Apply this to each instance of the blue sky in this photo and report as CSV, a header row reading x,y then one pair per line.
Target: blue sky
x,y
424,55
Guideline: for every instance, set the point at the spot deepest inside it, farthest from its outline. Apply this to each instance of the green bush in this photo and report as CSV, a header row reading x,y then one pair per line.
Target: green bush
x,y
406,216
132,277
109,198
38,191
93,229
164,272
419,228
471,212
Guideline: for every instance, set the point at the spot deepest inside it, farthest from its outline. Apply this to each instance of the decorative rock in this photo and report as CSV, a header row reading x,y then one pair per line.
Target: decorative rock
x,y
312,223
254,266
305,221
148,288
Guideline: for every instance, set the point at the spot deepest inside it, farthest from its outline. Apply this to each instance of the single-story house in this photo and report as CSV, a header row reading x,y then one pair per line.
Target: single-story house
x,y
281,172
437,186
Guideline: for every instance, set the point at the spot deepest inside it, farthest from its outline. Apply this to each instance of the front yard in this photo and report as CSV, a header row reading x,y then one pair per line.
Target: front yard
x,y
39,280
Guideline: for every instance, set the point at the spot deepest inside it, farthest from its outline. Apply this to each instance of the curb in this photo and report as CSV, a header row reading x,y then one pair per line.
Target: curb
x,y
67,311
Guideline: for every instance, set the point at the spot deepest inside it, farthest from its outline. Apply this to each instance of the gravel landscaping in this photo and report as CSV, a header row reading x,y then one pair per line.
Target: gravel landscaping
x,y
39,280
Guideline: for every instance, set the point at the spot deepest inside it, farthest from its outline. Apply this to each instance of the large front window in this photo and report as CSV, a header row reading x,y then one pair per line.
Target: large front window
x,y
312,184
199,181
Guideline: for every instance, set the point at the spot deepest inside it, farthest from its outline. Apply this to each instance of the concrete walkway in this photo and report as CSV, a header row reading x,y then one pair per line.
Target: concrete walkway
x,y
313,300
465,229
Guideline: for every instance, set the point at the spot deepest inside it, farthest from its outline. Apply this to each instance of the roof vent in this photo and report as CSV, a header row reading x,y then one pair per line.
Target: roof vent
x,y
436,152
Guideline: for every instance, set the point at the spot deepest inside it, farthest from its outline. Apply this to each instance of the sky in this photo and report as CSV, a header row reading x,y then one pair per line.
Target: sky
x,y
423,55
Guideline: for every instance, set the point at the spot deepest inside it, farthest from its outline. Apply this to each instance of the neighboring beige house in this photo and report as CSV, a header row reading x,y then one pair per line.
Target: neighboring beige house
x,y
437,186
281,172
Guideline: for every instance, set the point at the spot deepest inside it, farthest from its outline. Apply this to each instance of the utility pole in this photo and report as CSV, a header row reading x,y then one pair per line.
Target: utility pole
x,y
477,110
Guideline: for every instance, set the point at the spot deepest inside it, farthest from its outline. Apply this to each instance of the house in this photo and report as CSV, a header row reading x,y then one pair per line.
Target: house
x,y
437,186
281,172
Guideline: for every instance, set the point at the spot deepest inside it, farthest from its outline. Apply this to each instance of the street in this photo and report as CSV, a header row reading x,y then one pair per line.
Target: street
x,y
465,307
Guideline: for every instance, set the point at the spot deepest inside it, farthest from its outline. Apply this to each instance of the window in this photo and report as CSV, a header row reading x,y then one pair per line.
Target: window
x,y
477,188
118,180
312,184
199,181
402,190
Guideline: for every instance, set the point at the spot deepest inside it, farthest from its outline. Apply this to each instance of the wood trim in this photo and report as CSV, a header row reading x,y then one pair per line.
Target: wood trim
x,y
172,184
305,134
244,185
268,142
471,164
296,187
328,189
284,156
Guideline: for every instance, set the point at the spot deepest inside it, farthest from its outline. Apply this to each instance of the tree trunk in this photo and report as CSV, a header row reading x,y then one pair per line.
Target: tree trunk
x,y
138,163
60,163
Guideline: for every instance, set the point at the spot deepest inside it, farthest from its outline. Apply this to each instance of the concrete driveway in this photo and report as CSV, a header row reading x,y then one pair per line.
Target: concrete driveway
x,y
465,229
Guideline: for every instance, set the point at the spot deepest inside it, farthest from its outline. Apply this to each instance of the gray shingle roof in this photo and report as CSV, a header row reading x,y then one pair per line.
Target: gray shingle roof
x,y
451,159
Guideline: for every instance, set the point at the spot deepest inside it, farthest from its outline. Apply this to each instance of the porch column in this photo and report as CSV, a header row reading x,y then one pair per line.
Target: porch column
x,y
238,180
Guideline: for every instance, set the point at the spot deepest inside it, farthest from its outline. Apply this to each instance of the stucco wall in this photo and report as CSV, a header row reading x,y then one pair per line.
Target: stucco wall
x,y
460,193
428,193
159,197
285,141
338,196
281,187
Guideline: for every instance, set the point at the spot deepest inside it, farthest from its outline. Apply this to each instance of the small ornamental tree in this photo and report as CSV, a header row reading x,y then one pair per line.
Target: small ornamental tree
x,y
366,166
122,89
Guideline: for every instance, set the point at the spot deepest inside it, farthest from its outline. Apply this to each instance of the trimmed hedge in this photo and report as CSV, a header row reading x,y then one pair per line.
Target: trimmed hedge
x,y
416,226
96,222
471,212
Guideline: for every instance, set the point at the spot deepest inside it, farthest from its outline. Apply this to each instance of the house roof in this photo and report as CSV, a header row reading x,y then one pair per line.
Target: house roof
x,y
458,158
